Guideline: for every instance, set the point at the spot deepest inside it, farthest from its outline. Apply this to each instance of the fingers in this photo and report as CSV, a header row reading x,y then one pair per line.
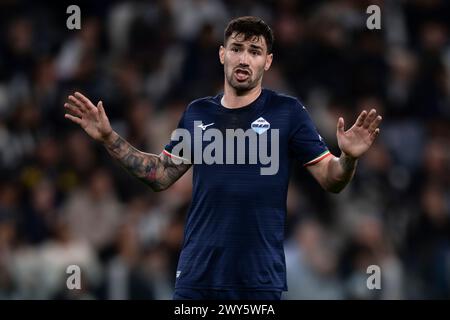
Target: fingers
x,y
340,125
78,103
372,114
375,123
361,118
79,106
100,108
375,134
372,122
86,102
73,118
74,110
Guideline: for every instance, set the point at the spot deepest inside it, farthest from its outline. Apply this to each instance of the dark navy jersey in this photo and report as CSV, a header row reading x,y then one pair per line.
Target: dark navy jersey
x,y
234,231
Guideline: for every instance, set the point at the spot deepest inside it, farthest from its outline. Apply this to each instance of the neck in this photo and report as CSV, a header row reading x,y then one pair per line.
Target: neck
x,y
233,99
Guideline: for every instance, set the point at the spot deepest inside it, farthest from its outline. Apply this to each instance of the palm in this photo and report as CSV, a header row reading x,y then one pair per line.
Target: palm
x,y
93,124
91,118
358,139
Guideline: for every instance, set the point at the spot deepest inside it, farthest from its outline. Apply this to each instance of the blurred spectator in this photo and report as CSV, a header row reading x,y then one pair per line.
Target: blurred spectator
x,y
312,265
40,272
369,246
93,212
125,279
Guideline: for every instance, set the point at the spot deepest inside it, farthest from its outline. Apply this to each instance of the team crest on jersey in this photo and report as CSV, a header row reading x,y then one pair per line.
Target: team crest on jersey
x,y
260,125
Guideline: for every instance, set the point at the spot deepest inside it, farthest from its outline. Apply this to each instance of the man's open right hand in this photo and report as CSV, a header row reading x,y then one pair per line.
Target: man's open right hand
x,y
91,118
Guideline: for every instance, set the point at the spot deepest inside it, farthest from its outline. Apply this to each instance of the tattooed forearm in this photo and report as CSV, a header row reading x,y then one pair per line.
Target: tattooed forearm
x,y
157,171
339,173
348,165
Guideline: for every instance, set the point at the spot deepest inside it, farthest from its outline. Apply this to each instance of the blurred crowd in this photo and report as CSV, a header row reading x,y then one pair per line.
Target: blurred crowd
x,y
64,201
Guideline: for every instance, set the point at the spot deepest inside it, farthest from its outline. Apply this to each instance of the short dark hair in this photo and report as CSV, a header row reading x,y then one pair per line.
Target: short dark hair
x,y
250,26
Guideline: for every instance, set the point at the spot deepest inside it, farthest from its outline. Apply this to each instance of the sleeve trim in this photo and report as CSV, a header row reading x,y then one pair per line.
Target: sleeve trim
x,y
319,158
167,153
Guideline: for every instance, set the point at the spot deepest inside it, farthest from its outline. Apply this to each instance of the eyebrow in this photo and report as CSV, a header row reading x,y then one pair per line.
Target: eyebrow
x,y
254,46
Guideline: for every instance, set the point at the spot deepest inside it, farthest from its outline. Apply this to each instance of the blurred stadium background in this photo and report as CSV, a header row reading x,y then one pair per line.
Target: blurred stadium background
x,y
64,201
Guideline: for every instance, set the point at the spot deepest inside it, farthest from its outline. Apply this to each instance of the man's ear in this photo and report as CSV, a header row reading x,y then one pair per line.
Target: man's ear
x,y
222,54
269,60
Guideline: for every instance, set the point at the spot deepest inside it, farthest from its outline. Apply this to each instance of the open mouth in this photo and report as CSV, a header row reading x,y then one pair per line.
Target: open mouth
x,y
241,74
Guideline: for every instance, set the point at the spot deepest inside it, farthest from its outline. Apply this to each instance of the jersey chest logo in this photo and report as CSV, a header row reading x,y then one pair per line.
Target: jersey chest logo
x,y
260,125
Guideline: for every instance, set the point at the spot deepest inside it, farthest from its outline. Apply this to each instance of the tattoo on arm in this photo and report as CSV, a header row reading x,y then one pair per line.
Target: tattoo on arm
x,y
337,173
157,171
347,164
342,173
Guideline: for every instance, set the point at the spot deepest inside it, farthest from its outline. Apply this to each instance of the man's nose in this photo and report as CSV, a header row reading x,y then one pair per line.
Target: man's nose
x,y
243,58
